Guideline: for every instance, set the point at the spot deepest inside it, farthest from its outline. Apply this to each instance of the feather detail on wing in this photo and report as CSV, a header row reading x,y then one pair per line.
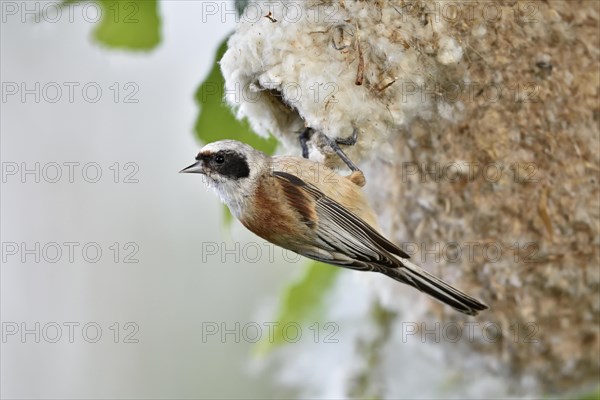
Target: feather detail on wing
x,y
301,202
339,230
344,239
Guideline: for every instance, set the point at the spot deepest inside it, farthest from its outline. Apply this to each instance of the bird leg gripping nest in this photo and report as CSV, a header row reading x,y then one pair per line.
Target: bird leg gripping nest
x,y
334,144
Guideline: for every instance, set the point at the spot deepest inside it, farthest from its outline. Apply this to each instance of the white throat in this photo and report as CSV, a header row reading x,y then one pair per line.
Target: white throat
x,y
235,190
234,194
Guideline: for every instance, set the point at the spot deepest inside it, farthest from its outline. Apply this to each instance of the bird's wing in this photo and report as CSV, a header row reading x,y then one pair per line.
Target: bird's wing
x,y
342,237
346,240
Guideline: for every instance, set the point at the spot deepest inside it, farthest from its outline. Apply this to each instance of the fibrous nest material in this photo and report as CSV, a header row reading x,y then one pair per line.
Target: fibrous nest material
x,y
479,134
338,65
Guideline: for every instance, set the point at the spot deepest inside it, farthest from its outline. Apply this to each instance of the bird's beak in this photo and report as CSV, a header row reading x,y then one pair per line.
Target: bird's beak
x,y
195,168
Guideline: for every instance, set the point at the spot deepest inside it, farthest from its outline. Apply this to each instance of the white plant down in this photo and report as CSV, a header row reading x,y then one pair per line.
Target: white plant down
x,y
335,66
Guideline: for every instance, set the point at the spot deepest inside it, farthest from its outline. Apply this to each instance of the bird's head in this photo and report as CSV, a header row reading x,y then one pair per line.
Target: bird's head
x,y
231,168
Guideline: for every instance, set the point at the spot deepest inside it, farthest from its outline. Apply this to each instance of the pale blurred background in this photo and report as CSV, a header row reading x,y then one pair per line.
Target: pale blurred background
x,y
170,292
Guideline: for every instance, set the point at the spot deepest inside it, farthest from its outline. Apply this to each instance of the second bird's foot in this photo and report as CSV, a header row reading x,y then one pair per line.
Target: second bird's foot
x,y
349,141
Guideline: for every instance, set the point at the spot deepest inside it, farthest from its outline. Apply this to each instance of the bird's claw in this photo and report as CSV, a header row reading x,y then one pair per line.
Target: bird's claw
x,y
307,133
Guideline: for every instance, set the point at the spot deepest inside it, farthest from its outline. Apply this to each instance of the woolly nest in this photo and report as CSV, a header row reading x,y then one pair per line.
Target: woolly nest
x,y
507,101
334,66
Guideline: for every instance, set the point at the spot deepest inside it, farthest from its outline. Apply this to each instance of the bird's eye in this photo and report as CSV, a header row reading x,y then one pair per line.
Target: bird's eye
x,y
219,159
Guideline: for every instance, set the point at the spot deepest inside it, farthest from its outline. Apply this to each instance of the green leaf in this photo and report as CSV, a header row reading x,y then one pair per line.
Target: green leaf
x,y
301,301
216,120
129,24
240,6
591,396
227,216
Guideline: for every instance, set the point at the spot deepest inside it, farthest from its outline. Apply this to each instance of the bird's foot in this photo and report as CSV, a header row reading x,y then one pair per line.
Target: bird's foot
x,y
349,141
304,137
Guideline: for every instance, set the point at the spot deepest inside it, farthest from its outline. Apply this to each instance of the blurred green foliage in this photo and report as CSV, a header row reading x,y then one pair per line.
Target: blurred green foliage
x,y
240,5
216,120
302,301
591,396
128,24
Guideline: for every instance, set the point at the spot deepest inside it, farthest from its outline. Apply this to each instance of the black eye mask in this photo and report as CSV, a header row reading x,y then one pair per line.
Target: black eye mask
x,y
229,164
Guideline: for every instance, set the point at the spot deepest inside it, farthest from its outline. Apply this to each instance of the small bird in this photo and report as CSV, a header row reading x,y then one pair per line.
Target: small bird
x,y
306,207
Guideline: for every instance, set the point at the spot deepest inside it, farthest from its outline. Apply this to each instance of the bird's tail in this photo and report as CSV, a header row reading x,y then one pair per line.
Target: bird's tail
x,y
417,277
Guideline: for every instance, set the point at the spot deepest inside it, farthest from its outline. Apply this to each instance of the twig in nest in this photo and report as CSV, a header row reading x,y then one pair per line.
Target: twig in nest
x,y
543,212
404,44
270,17
339,31
360,74
387,85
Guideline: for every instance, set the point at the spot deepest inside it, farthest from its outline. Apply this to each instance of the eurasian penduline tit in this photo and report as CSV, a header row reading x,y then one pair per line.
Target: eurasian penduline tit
x,y
303,206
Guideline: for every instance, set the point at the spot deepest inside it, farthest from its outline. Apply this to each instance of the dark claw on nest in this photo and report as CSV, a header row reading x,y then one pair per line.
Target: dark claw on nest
x,y
349,141
305,137
307,133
